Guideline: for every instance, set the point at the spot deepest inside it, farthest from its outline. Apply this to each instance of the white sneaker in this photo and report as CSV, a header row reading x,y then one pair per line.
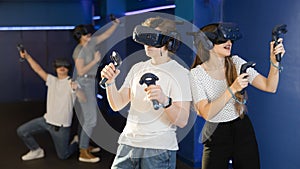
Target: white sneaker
x,y
94,149
75,139
89,160
33,154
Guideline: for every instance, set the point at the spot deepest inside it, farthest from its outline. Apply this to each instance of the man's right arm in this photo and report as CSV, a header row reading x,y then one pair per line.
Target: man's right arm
x,y
34,65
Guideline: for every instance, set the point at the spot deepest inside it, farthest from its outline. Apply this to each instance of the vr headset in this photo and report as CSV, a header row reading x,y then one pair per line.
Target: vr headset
x,y
80,30
151,37
61,63
223,33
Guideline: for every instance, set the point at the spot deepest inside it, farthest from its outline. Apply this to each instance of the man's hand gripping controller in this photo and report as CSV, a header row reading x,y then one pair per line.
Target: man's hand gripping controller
x,y
21,48
150,79
117,61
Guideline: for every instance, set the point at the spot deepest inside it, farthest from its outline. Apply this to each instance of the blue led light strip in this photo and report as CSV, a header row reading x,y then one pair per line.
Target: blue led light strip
x,y
96,17
17,28
150,9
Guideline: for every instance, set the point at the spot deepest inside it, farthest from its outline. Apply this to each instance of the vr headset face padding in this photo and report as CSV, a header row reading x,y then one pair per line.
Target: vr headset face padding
x,y
151,37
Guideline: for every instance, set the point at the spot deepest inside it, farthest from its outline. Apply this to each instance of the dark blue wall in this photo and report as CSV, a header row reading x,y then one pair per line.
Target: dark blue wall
x,y
18,81
41,13
200,13
275,117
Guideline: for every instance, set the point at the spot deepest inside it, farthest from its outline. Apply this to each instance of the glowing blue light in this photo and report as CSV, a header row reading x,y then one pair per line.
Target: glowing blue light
x,y
96,17
18,28
99,96
150,9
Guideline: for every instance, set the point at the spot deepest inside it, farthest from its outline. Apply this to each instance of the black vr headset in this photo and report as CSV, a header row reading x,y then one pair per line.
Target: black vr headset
x,y
151,37
60,62
223,33
80,30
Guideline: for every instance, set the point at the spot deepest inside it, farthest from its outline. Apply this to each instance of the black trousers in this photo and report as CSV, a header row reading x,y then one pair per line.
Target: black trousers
x,y
234,140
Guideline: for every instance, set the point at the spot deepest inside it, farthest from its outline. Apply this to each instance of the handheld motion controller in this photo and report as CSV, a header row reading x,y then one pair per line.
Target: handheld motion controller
x,y
244,68
117,61
21,48
112,17
277,32
150,79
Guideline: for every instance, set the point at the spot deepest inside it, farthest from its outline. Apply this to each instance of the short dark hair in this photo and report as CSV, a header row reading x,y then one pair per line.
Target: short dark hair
x,y
81,29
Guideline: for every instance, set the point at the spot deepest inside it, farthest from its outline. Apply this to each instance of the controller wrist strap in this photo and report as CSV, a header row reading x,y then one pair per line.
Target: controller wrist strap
x,y
236,99
280,68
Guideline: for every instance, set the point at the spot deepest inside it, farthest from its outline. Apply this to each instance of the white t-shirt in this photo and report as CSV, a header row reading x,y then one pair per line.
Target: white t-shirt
x,y
205,87
60,99
146,127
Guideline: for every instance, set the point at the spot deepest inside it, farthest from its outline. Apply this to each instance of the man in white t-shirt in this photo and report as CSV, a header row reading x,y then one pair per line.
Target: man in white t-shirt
x,y
58,117
149,138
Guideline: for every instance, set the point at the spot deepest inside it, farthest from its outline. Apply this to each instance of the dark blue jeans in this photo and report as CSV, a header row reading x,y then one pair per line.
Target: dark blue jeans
x,y
60,136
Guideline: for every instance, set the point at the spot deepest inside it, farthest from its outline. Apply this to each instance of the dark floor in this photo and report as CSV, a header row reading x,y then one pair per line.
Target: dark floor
x,y
13,115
